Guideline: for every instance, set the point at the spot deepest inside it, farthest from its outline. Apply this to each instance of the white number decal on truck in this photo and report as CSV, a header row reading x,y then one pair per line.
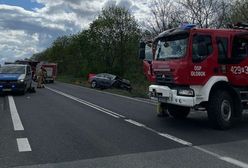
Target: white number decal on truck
x,y
238,70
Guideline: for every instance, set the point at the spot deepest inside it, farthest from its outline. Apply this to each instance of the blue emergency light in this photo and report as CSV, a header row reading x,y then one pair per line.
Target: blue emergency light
x,y
13,86
1,86
187,26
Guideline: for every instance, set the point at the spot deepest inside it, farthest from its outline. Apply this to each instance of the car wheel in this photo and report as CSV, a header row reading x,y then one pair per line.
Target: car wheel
x,y
93,84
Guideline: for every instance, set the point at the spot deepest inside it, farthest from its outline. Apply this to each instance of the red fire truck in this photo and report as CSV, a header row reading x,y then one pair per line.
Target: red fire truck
x,y
51,71
204,69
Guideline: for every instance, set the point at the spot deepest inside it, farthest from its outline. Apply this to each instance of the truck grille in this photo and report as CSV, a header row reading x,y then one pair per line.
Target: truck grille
x,y
162,78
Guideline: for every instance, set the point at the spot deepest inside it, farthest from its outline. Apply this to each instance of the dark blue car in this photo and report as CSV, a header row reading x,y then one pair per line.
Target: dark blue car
x,y
15,78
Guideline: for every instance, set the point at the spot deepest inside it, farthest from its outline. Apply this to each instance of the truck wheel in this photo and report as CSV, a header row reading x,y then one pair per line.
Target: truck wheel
x,y
220,110
162,110
93,84
178,112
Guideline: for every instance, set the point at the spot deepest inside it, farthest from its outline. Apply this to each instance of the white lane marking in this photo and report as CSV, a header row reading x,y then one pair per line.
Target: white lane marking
x,y
106,111
130,98
173,138
134,122
223,158
23,145
168,136
207,151
17,123
235,162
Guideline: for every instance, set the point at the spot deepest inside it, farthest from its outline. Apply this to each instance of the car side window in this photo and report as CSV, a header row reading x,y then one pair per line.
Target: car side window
x,y
202,47
99,76
108,77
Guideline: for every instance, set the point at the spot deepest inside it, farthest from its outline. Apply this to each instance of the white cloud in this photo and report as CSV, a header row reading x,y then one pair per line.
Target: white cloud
x,y
24,32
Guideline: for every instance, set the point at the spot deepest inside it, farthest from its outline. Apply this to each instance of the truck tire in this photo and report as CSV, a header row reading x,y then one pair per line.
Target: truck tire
x,y
178,112
221,110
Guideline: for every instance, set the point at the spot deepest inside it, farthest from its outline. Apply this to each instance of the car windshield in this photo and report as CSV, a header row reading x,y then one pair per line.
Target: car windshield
x,y
12,69
172,47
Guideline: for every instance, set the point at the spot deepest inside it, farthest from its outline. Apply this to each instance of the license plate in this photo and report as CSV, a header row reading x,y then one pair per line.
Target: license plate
x,y
6,90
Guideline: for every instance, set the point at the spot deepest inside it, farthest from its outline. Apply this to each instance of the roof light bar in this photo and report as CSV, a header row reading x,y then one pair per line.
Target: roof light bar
x,y
187,26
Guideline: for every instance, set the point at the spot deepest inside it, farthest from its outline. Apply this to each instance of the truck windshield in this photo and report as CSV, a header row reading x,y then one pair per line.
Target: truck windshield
x,y
172,47
12,69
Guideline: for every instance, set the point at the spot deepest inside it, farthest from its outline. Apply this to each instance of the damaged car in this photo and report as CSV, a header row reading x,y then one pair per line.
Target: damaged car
x,y
105,80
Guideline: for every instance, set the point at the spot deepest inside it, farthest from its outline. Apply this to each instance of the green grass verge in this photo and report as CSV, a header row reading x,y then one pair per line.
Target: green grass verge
x,y
140,87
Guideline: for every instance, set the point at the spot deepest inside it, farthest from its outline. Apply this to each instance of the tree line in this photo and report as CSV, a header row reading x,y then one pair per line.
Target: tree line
x,y
109,45
111,42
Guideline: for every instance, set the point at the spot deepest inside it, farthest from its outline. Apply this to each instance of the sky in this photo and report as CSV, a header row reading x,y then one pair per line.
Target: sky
x,y
30,26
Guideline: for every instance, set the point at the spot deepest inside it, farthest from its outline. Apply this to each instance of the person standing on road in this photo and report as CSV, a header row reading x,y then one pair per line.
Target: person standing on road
x,y
44,76
40,77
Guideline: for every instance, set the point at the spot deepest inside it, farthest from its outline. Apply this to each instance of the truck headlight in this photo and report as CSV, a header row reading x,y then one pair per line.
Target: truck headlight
x,y
186,92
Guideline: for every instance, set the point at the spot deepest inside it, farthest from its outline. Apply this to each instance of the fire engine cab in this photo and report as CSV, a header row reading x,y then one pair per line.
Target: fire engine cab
x,y
203,69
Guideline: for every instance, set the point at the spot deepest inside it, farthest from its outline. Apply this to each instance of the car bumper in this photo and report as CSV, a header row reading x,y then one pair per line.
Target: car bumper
x,y
12,87
166,95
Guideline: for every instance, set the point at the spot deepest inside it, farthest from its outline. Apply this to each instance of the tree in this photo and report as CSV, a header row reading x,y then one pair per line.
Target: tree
x,y
115,35
205,13
110,45
239,12
165,15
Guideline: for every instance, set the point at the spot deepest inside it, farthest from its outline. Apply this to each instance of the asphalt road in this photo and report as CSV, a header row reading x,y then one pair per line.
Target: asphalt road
x,y
70,126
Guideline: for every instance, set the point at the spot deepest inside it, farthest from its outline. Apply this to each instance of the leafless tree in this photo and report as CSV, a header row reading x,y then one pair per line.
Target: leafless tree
x,y
165,14
205,13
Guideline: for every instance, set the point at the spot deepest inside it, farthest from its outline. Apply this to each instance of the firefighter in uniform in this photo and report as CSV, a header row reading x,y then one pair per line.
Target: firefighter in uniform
x,y
40,77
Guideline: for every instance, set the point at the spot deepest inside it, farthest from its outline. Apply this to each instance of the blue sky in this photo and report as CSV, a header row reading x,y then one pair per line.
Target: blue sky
x,y
26,4
30,26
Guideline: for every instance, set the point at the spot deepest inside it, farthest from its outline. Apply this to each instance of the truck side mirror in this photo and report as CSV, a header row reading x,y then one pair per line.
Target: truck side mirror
x,y
142,53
